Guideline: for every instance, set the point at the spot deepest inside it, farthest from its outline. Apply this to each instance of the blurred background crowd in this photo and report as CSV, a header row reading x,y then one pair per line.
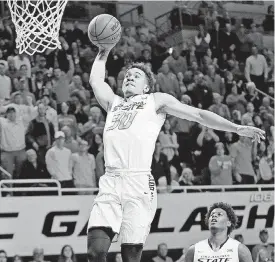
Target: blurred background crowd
x,y
51,124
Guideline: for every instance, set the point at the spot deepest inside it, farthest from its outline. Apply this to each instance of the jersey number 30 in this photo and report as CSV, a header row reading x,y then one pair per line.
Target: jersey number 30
x,y
122,120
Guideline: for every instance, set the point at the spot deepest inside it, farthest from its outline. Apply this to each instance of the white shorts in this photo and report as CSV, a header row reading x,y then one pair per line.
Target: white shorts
x,y
127,203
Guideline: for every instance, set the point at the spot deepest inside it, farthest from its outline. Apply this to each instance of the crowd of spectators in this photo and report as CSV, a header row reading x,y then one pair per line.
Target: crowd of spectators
x,y
263,252
52,125
210,11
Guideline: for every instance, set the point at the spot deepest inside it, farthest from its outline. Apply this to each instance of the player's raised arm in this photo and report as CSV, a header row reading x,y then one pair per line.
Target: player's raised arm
x,y
103,92
189,257
244,254
168,104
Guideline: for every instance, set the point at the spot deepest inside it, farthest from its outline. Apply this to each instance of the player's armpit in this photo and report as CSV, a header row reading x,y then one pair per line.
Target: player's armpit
x,y
189,257
102,91
244,254
168,104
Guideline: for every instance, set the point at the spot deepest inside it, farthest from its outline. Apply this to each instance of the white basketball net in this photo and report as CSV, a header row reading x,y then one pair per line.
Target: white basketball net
x,y
37,24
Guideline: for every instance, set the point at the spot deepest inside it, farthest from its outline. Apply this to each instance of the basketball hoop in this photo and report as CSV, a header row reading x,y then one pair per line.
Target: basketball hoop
x,y
37,24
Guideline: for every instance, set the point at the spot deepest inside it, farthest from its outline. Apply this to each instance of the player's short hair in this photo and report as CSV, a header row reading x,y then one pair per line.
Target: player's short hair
x,y
147,71
230,214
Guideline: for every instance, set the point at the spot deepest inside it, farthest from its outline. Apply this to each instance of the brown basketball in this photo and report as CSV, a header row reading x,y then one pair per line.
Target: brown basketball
x,y
104,31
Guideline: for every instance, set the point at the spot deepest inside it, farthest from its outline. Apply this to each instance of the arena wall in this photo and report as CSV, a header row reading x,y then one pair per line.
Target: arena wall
x,y
54,221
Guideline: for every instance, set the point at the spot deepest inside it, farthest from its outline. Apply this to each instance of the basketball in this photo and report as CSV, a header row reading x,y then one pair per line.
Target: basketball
x,y
104,31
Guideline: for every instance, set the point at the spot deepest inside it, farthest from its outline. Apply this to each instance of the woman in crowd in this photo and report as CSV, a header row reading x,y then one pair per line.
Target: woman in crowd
x,y
206,142
229,140
169,144
96,145
264,164
77,109
202,40
236,101
67,254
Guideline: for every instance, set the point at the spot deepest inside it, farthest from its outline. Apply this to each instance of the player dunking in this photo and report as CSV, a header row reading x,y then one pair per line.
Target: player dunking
x,y
221,221
126,202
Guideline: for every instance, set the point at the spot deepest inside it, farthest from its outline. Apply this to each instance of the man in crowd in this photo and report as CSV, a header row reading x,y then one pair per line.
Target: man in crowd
x,y
196,86
263,235
38,255
167,81
5,83
83,167
256,69
12,141
58,161
243,153
40,133
70,142
162,254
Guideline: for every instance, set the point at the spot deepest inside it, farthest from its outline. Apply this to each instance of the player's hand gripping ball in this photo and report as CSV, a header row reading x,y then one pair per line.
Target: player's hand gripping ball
x,y
104,31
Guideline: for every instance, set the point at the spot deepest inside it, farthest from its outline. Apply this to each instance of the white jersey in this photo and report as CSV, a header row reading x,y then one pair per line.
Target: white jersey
x,y
130,133
227,253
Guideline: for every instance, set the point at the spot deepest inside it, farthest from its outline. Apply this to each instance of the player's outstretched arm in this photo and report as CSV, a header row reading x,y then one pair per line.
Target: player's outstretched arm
x,y
169,105
244,254
189,257
103,92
